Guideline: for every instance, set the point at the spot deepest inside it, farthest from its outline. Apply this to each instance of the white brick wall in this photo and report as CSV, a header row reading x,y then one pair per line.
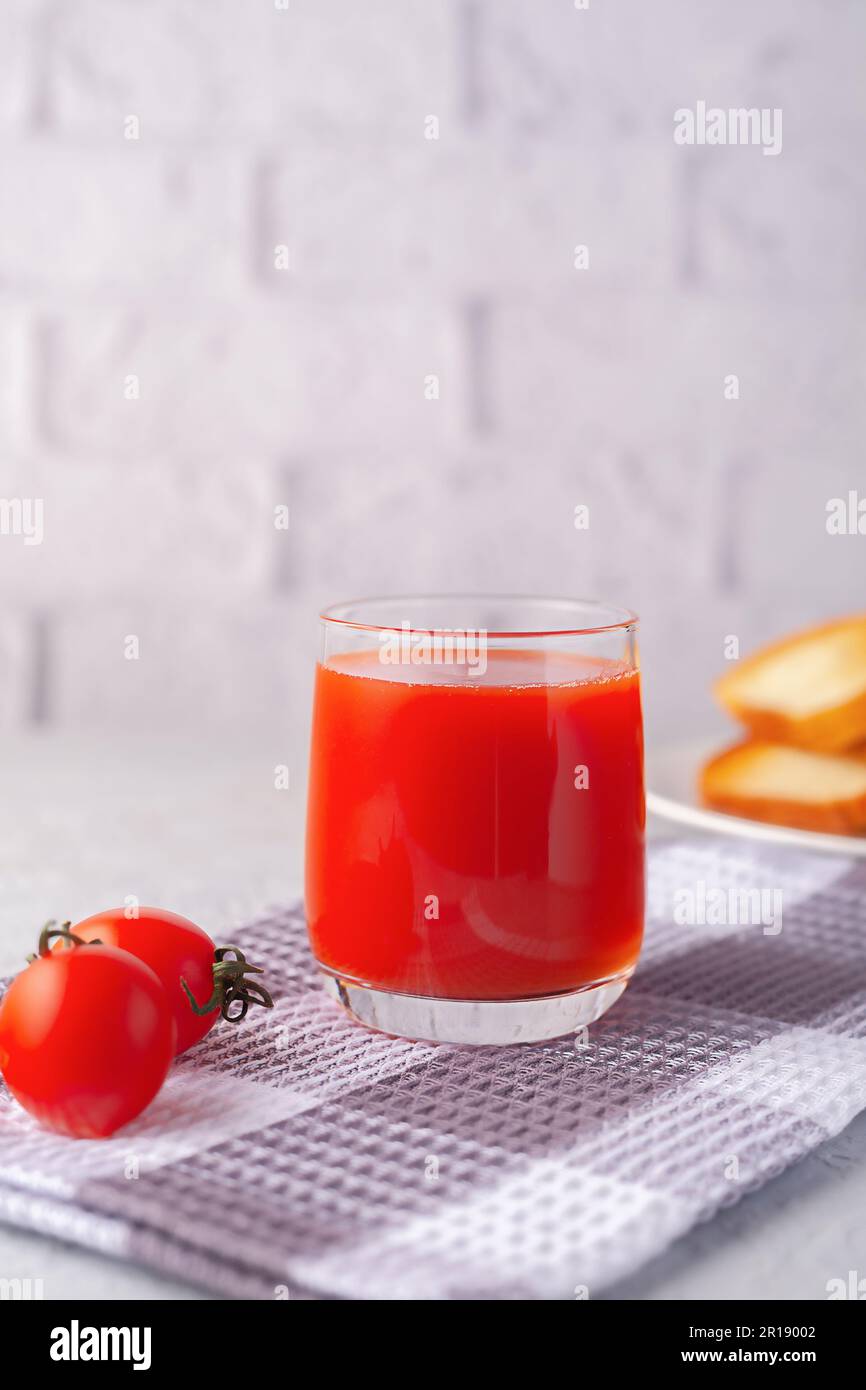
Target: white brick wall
x,y
191,533
17,377
16,668
767,228
17,85
411,257
475,214
231,381
120,218
230,72
234,671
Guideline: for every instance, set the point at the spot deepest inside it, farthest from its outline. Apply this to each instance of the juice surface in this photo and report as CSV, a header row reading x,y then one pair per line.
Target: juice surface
x,y
449,850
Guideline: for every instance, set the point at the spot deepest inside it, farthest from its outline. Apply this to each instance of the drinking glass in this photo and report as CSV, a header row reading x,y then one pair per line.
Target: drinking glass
x,y
475,824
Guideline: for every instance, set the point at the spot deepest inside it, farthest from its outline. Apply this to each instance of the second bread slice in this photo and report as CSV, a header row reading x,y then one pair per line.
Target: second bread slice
x,y
788,786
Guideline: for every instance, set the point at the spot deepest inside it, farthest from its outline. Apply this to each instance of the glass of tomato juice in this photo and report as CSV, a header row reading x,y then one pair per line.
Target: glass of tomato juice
x,y
475,825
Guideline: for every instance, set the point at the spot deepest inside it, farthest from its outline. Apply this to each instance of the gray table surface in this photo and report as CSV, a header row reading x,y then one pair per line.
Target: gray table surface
x,y
201,828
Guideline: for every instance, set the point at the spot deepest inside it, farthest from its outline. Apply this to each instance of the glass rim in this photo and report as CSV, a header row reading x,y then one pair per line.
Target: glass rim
x,y
625,620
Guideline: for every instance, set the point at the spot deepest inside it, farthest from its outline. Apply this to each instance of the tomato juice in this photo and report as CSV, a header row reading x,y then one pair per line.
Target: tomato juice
x,y
476,835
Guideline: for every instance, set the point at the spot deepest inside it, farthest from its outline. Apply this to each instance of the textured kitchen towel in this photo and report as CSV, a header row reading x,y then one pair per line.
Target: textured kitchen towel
x,y
299,1155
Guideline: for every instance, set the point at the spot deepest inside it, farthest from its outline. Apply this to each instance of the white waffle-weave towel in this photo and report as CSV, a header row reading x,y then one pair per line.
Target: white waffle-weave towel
x,y
300,1155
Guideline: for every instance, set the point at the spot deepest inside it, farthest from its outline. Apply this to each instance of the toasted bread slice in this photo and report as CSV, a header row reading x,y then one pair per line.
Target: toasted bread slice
x,y
789,786
809,690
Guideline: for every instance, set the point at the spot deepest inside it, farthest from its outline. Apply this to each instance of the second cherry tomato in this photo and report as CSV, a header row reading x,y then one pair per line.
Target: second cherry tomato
x,y
202,982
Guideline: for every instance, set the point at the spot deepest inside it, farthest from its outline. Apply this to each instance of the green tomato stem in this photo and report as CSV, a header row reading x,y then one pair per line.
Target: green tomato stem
x,y
50,930
230,986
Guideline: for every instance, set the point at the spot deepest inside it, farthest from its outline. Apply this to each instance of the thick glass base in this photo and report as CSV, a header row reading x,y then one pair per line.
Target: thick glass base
x,y
484,1022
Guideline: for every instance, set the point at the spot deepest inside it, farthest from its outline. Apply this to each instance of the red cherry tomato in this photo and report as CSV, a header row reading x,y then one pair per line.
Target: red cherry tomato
x,y
86,1038
196,976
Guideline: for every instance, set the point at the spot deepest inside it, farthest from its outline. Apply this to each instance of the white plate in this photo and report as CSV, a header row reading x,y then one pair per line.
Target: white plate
x,y
672,781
